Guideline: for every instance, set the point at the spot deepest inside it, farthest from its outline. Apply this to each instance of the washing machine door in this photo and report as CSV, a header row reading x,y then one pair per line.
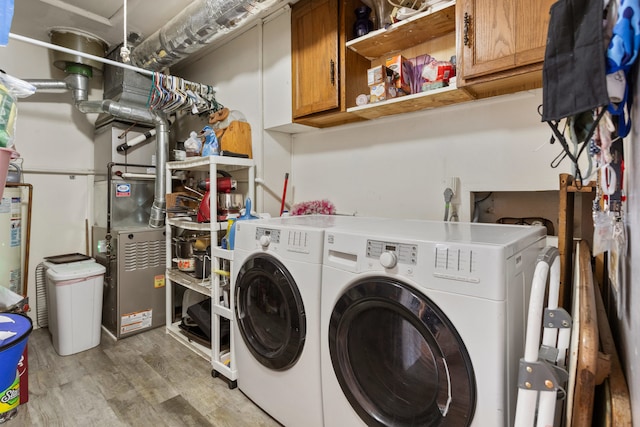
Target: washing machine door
x,y
269,311
399,360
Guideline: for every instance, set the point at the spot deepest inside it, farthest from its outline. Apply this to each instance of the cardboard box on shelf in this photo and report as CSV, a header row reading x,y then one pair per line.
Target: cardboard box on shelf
x,y
398,65
376,75
381,92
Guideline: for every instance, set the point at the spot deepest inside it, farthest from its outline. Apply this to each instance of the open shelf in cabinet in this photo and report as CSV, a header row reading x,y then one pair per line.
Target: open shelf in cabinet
x,y
430,32
415,102
436,21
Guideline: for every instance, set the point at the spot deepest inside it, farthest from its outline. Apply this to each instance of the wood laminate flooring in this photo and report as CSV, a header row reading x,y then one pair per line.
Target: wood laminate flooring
x,y
149,379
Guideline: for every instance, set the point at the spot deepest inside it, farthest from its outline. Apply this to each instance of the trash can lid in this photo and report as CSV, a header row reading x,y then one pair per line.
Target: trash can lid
x,y
67,258
13,327
74,270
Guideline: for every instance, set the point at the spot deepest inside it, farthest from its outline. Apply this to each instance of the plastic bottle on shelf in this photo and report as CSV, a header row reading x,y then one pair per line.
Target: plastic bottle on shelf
x,y
211,145
245,216
224,242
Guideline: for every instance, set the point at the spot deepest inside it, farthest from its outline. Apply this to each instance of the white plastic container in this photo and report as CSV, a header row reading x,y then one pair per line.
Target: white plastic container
x,y
74,301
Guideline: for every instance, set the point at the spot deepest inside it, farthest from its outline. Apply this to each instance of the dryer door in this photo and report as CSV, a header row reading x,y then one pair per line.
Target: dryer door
x,y
269,311
398,358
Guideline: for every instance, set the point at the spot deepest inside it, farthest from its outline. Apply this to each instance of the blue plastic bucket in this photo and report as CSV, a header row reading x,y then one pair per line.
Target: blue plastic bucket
x,y
14,332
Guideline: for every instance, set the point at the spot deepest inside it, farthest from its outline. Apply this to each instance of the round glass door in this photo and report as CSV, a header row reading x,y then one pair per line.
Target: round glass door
x,y
399,360
269,311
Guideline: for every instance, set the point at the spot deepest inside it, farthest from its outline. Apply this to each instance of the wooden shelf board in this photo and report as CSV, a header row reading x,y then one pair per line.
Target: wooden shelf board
x,y
433,23
414,102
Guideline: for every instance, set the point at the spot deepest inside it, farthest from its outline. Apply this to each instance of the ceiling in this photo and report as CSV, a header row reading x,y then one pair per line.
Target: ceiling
x,y
102,18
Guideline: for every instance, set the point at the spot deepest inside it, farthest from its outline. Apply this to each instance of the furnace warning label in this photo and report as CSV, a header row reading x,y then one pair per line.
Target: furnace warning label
x,y
158,281
123,190
135,321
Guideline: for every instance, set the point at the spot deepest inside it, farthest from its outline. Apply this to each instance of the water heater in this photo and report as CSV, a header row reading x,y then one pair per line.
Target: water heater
x,y
11,240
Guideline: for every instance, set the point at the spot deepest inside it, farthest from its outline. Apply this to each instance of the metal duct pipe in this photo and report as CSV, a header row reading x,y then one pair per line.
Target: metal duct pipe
x,y
159,207
198,24
78,85
129,112
48,84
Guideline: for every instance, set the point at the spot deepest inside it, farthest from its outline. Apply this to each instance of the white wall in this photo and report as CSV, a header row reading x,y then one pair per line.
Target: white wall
x,y
400,166
55,142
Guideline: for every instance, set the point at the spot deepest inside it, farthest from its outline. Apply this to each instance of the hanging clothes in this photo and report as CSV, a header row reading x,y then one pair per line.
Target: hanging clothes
x,y
621,55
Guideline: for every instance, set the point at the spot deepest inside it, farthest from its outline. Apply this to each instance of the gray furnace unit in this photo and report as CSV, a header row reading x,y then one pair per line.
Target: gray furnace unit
x,y
134,292
132,252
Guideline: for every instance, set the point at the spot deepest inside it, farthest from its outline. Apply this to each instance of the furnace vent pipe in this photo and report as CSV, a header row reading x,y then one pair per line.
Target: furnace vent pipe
x,y
137,114
199,24
48,84
78,85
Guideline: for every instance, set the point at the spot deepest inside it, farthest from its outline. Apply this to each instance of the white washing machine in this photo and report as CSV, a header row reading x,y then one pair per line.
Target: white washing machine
x,y
423,323
276,284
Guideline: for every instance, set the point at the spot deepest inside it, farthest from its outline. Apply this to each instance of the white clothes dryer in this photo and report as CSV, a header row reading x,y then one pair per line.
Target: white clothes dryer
x,y
423,323
276,289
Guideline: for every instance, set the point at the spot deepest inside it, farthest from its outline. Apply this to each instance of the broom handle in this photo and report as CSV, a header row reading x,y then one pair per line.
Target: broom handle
x,y
284,192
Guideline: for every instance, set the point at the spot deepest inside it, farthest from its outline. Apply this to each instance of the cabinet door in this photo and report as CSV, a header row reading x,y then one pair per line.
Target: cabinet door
x,y
532,23
500,35
314,56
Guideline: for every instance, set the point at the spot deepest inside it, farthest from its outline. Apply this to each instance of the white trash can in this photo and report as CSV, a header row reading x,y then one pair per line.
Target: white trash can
x,y
74,303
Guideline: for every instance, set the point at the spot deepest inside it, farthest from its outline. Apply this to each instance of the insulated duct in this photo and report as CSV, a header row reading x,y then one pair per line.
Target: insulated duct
x,y
199,24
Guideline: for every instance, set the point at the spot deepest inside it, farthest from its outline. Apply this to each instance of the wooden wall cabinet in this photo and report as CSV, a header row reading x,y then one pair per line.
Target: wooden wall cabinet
x,y
326,77
319,104
501,45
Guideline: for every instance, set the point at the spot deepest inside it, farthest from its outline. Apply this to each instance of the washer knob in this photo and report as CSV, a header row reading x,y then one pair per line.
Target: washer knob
x,y
388,259
265,241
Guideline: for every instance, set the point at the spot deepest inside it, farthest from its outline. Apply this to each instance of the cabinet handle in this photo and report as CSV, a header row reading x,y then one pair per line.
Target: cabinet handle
x,y
332,71
467,23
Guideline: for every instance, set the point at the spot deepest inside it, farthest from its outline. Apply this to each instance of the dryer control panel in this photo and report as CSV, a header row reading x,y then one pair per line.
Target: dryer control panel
x,y
292,240
404,253
272,235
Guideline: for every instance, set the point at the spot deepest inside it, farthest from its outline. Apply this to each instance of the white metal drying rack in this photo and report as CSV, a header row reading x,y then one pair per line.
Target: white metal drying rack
x,y
542,374
205,92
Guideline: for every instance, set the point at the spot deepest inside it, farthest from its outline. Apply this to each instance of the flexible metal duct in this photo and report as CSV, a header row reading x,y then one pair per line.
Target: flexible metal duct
x,y
199,24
